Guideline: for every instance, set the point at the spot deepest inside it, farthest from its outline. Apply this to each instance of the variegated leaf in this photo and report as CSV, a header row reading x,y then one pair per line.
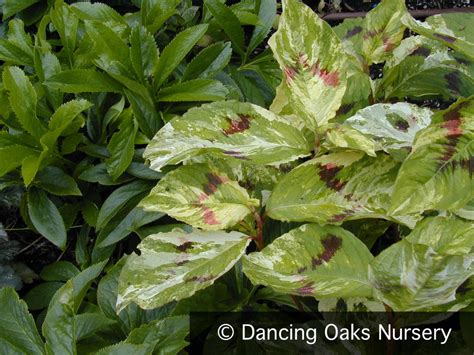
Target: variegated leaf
x,y
313,61
351,34
426,268
467,212
336,187
453,30
438,173
383,30
227,129
344,136
172,266
312,260
392,126
358,304
201,196
422,68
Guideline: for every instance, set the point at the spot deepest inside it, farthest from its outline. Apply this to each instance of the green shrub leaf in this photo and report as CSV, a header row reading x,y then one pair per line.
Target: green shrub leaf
x,y
209,62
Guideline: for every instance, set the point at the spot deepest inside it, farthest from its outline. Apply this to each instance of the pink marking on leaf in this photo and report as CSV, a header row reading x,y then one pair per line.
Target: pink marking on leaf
x,y
290,74
306,290
209,216
237,126
453,127
329,78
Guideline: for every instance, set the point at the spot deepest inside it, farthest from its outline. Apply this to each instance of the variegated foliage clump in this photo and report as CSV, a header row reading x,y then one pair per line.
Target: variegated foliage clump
x,y
337,151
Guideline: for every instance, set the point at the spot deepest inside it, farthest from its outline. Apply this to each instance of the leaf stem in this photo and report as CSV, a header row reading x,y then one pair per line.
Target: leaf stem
x,y
259,236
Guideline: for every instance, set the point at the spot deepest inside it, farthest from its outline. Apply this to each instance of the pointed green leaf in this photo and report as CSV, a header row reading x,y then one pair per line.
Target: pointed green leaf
x,y
66,23
229,129
453,30
336,187
313,62
12,157
383,30
59,327
194,90
201,196
57,182
118,199
59,271
266,15
421,68
89,324
95,11
11,7
208,62
166,335
229,22
154,13
321,262
411,274
175,52
46,218
23,100
438,173
17,326
143,52
175,265
17,48
393,126
83,80
351,34
121,148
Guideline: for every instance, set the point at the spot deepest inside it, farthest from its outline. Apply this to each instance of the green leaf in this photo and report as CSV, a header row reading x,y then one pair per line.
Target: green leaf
x,y
175,52
194,90
12,157
227,129
321,262
313,62
88,324
23,99
123,349
438,173
166,336
209,62
452,30
46,218
143,52
17,326
59,271
135,219
411,274
383,30
95,11
421,68
392,126
337,187
182,264
17,48
154,13
118,199
11,7
227,20
83,80
39,296
66,24
59,327
57,182
201,196
266,16
350,32
121,148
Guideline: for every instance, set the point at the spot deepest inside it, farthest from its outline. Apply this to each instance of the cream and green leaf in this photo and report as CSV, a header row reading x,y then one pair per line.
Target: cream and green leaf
x,y
438,173
175,265
202,196
229,130
313,62
427,267
337,187
322,262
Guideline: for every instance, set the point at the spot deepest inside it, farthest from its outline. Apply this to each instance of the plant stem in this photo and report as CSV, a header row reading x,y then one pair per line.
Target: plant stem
x,y
259,237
